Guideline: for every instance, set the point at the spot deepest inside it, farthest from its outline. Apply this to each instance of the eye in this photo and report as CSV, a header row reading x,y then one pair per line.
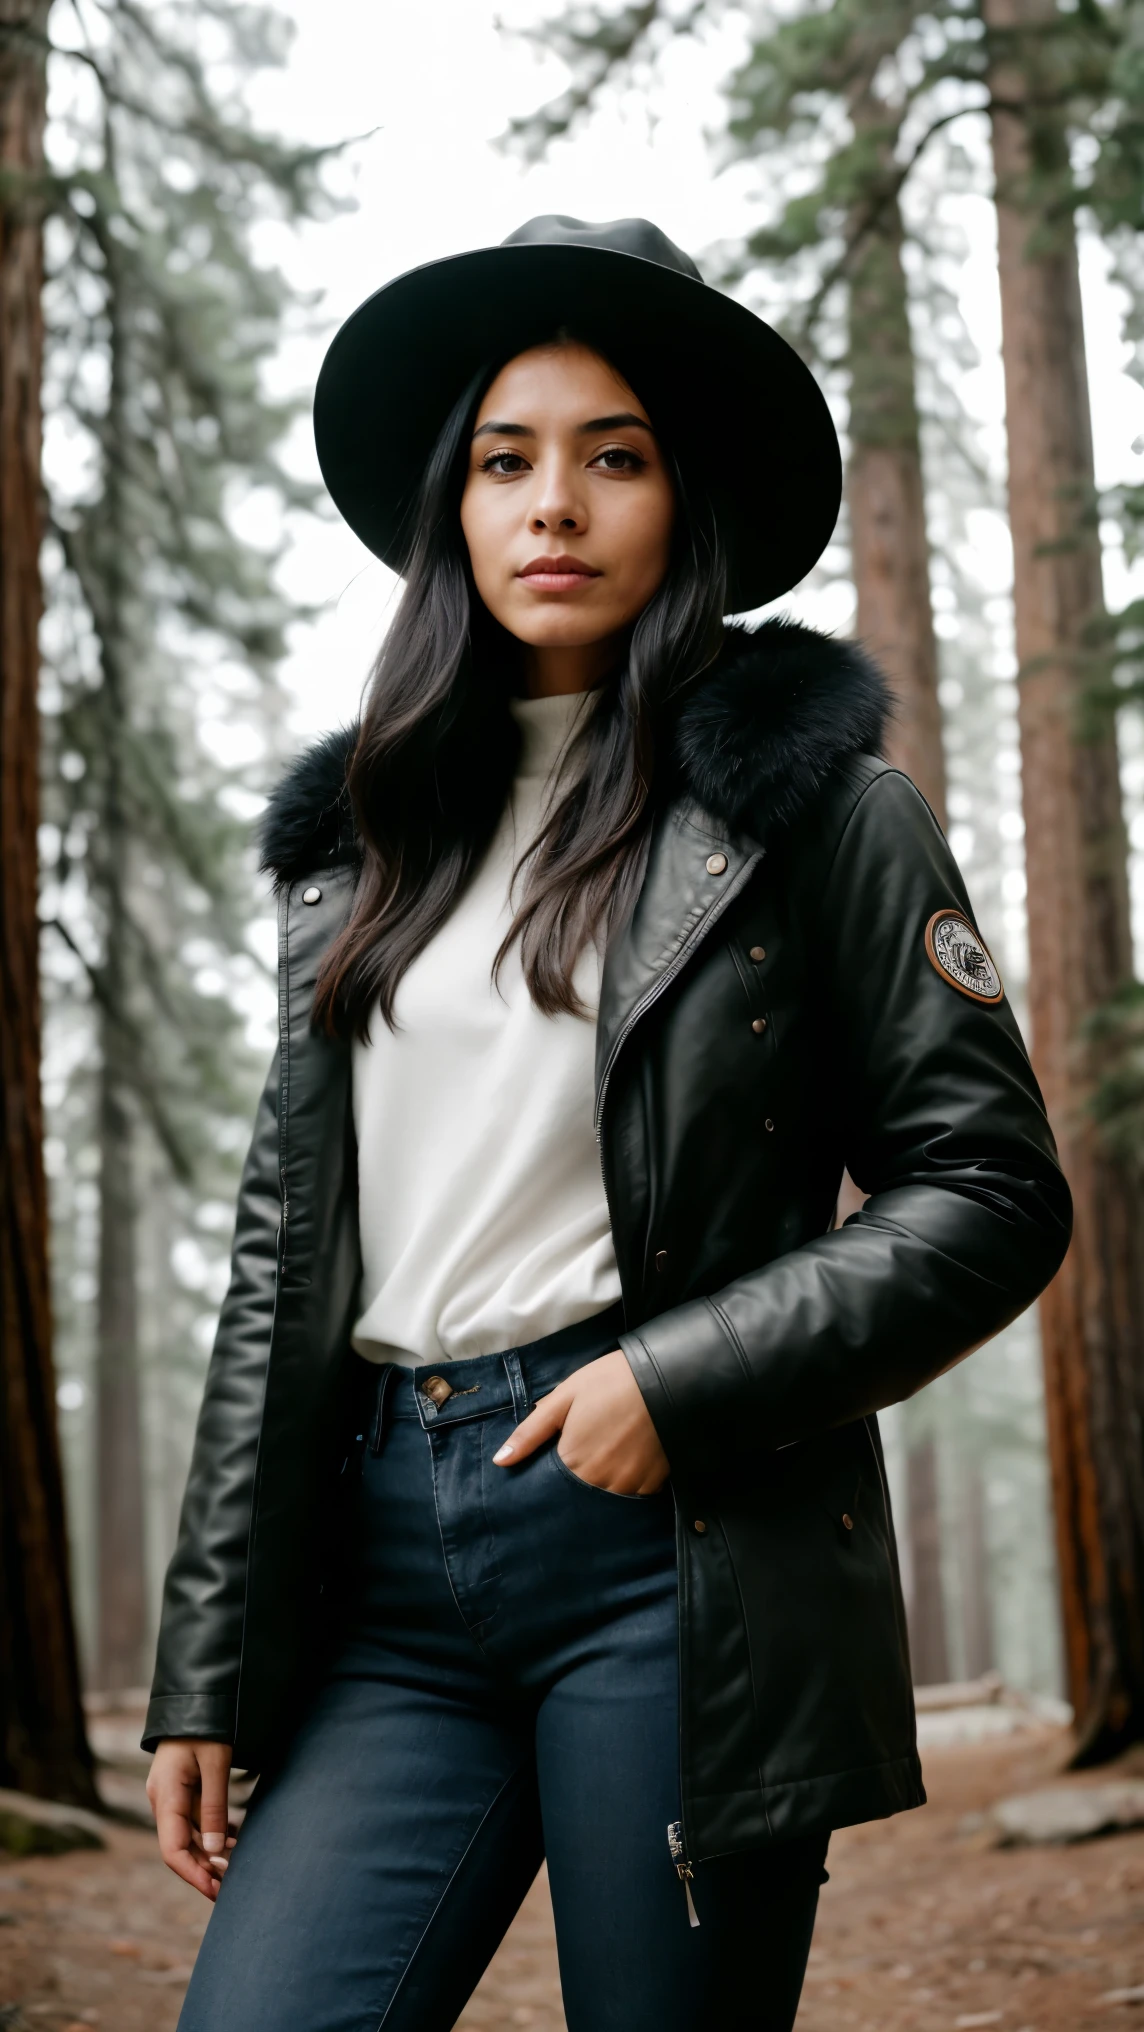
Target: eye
x,y
619,459
506,463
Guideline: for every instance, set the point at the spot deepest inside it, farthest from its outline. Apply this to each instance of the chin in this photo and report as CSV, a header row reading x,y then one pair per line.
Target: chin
x,y
560,631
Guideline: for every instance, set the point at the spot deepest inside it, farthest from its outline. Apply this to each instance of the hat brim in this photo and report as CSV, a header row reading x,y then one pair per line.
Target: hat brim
x,y
738,394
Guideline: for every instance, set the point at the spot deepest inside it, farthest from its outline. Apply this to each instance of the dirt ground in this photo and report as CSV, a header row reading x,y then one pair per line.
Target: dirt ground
x,y
921,1928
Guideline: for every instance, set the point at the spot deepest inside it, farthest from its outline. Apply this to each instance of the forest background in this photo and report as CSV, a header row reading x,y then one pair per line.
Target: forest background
x,y
204,614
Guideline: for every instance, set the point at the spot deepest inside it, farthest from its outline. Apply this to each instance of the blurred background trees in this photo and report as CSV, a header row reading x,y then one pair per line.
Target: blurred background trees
x,y
42,1742
164,215
164,619
159,323
1080,935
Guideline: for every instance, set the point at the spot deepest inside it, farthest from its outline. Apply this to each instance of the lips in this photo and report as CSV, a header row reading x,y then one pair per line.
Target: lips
x,y
557,574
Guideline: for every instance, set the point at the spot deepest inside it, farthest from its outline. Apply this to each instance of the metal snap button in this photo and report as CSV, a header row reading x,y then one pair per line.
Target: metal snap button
x,y
758,952
716,864
759,1025
847,1520
661,1259
768,1125
436,1389
699,1524
313,895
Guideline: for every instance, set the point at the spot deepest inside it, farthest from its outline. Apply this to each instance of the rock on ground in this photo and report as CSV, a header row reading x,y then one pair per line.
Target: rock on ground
x,y
925,1926
37,1827
1068,1813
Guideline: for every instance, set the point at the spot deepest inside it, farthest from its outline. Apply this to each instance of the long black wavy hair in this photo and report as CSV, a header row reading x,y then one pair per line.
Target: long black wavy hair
x,y
438,745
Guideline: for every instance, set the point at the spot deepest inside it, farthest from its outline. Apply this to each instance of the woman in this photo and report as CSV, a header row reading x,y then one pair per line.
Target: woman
x,y
593,866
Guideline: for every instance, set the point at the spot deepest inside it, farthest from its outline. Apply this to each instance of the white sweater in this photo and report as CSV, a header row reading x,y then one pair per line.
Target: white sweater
x,y
483,1218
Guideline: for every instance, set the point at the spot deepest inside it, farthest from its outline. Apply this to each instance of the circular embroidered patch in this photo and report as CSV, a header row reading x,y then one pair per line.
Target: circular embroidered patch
x,y
961,958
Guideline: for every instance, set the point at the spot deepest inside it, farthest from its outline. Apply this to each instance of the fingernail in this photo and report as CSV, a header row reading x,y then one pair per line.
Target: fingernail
x,y
214,1841
219,1863
504,1452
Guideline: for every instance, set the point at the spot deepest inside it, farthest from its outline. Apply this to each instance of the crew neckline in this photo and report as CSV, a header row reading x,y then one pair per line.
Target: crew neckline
x,y
547,725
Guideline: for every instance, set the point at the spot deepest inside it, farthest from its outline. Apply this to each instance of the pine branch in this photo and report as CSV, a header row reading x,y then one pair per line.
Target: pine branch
x,y
600,50
143,1083
160,320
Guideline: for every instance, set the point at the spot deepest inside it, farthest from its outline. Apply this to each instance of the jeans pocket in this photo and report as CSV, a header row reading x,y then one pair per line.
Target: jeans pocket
x,y
593,1488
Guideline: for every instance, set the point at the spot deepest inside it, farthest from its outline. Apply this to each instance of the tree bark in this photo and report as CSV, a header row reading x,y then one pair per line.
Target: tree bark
x,y
1080,949
122,1603
43,1746
890,551
973,1548
929,1650
122,1619
890,562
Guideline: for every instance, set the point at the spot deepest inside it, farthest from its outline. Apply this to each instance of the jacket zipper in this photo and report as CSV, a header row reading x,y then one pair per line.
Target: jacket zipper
x,y
683,1869
283,1067
377,1431
663,981
883,1488
878,1472
676,1837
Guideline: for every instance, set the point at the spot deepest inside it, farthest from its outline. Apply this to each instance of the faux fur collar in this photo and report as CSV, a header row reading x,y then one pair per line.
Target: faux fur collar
x,y
780,709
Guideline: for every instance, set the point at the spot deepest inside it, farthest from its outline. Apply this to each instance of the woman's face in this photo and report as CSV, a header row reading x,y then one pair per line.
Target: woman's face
x,y
568,505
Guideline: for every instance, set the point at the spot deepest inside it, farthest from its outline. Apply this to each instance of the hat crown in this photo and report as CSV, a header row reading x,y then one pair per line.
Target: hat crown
x,y
615,236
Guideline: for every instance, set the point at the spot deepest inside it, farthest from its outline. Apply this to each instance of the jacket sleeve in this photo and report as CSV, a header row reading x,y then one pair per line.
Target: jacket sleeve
x,y
943,1125
200,1632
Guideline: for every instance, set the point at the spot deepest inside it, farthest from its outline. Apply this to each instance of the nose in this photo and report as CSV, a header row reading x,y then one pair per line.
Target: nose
x,y
556,506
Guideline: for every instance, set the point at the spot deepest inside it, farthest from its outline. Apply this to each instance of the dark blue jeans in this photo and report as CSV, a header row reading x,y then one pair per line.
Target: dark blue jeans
x,y
505,1688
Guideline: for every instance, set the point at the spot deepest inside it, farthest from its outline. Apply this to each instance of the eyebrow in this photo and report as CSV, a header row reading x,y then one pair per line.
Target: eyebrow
x,y
622,421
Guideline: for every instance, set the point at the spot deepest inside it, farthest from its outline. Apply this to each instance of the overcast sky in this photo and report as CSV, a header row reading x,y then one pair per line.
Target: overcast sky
x,y
432,86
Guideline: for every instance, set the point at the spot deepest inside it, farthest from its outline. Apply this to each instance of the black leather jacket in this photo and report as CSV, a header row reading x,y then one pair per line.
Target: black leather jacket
x,y
772,1013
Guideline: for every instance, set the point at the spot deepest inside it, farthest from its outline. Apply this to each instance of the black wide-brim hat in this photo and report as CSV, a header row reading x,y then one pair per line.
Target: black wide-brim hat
x,y
732,397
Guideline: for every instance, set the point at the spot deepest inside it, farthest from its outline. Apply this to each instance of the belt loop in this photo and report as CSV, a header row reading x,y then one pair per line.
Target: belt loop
x,y
521,1401
378,1431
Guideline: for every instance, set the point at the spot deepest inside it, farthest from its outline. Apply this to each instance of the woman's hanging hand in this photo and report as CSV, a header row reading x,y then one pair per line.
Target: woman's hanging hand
x,y
606,1433
189,1786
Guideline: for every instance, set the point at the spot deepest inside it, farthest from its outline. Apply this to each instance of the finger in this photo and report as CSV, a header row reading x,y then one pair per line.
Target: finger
x,y
214,1815
185,1864
219,1862
547,1417
176,1837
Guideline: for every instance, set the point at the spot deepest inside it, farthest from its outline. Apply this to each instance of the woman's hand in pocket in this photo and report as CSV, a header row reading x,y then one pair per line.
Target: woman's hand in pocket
x,y
605,1428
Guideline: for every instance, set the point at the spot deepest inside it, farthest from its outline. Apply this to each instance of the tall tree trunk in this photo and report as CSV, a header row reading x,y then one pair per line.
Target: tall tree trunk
x,y
890,562
890,552
43,1747
929,1651
973,1549
1080,949
122,1620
